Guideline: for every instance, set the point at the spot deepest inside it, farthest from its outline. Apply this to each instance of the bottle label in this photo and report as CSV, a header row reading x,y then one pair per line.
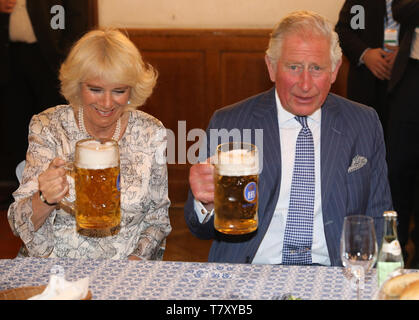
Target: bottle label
x,y
393,247
384,268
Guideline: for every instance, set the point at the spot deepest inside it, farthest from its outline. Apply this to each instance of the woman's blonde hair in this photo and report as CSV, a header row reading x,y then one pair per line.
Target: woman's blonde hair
x,y
306,23
109,55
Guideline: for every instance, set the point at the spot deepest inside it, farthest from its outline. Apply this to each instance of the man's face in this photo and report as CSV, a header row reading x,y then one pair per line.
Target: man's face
x,y
303,75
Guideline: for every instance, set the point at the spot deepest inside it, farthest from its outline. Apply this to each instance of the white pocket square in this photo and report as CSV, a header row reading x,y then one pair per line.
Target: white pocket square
x,y
357,163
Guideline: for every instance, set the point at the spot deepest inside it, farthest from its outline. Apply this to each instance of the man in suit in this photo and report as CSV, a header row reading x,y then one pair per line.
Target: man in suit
x,y
370,58
32,47
403,125
303,60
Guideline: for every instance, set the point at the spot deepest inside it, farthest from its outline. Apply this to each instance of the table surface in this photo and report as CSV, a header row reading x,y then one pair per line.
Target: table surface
x,y
155,280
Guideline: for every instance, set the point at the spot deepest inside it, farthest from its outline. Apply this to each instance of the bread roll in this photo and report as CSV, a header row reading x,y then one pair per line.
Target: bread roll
x,y
394,287
411,292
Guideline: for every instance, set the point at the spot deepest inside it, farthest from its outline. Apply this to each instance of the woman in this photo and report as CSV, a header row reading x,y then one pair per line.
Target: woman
x,y
104,79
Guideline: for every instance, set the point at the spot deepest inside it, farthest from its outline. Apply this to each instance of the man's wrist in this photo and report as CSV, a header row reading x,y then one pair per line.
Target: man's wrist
x,y
361,58
204,211
208,215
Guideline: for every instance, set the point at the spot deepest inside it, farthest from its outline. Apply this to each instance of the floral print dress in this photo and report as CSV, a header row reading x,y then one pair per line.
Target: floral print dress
x,y
145,222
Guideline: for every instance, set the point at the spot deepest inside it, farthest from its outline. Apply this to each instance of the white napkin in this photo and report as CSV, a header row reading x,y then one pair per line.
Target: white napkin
x,y
60,289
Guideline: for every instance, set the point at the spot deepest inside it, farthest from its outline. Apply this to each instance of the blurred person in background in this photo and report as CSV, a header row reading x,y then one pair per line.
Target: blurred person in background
x,y
371,57
32,47
403,127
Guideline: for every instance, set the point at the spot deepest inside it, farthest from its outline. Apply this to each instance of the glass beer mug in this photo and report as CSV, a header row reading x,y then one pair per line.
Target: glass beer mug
x,y
97,184
236,188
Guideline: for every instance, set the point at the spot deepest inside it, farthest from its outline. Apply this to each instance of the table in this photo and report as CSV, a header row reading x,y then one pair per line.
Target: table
x,y
155,280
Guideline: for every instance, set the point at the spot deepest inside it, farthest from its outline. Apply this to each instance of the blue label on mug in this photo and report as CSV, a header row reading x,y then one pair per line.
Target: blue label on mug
x,y
118,182
250,191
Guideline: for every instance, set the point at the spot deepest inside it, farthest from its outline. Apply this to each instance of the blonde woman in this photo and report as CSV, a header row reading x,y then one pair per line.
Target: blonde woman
x,y
104,79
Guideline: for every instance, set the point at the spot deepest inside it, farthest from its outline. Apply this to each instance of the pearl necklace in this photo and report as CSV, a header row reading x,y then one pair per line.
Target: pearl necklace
x,y
116,133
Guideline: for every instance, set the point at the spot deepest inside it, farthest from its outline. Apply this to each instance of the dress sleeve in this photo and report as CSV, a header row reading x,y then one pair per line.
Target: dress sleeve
x,y
156,223
40,153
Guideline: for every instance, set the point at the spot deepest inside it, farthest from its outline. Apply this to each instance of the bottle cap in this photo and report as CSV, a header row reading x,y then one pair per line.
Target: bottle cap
x,y
390,214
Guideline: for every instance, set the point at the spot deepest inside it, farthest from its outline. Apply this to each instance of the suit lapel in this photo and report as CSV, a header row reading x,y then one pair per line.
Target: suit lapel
x,y
331,139
266,117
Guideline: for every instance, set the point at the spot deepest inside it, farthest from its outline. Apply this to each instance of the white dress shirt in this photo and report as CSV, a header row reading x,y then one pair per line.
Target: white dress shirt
x,y
270,249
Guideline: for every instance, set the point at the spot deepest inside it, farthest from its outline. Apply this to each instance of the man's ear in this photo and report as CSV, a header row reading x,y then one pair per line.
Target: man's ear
x,y
336,71
271,68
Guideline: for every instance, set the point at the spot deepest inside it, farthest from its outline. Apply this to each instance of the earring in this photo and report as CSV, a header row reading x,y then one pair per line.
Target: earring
x,y
129,102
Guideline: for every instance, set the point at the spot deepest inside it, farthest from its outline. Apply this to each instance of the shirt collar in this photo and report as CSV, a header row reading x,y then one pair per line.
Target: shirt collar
x,y
285,117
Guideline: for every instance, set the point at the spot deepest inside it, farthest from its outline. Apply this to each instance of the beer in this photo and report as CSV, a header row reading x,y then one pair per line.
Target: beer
x,y
236,189
97,185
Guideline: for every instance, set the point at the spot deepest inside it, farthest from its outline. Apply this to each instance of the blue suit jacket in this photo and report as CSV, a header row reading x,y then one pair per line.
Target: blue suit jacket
x,y
348,129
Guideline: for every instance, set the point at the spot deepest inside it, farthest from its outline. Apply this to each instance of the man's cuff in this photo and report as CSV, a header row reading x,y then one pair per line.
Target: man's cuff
x,y
361,58
203,214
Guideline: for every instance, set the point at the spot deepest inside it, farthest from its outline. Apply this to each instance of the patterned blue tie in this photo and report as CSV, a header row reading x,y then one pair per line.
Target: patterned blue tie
x,y
390,23
299,226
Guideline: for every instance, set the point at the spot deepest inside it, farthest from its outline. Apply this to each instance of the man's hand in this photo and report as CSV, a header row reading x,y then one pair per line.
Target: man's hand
x,y
375,60
7,6
391,55
201,180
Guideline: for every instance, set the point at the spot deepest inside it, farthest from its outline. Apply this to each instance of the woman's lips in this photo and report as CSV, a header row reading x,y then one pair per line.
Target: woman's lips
x,y
105,113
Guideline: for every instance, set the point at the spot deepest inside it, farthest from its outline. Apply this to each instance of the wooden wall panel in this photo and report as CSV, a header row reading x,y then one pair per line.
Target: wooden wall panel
x,y
242,74
199,72
180,93
339,87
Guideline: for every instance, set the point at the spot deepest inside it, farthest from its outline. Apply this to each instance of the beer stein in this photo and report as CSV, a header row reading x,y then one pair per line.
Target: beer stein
x,y
236,188
97,184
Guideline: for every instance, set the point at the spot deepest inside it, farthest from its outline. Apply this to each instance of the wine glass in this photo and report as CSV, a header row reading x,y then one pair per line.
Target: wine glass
x,y
358,247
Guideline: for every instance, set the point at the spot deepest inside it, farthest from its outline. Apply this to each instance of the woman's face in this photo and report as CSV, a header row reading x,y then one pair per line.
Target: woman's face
x,y
103,103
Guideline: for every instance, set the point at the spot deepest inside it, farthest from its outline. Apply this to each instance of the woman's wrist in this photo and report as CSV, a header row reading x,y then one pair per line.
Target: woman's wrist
x,y
41,196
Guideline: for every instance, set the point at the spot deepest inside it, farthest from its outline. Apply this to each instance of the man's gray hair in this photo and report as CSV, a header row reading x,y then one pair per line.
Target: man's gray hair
x,y
306,23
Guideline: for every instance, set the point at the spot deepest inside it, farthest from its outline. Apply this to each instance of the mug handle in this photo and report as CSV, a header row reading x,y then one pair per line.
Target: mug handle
x,y
69,168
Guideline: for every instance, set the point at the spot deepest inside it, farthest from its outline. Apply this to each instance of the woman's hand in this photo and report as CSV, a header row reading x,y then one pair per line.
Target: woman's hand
x,y
53,181
54,186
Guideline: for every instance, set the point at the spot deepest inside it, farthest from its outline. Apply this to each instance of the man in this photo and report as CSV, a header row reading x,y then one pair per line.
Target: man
x,y
370,44
34,39
303,60
403,132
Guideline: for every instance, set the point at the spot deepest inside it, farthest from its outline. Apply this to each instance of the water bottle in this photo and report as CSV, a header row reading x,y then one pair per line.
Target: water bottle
x,y
390,255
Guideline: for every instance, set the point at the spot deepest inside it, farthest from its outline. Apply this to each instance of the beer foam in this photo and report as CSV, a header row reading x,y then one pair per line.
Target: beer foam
x,y
96,155
238,162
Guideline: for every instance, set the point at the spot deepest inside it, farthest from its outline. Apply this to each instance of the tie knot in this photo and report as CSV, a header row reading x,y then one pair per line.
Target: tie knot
x,y
302,120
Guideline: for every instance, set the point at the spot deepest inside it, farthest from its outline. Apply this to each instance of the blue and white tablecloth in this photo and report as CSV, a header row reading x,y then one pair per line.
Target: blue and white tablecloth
x,y
122,279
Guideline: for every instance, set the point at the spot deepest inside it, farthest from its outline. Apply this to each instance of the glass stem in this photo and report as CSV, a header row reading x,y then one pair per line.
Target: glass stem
x,y
358,272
